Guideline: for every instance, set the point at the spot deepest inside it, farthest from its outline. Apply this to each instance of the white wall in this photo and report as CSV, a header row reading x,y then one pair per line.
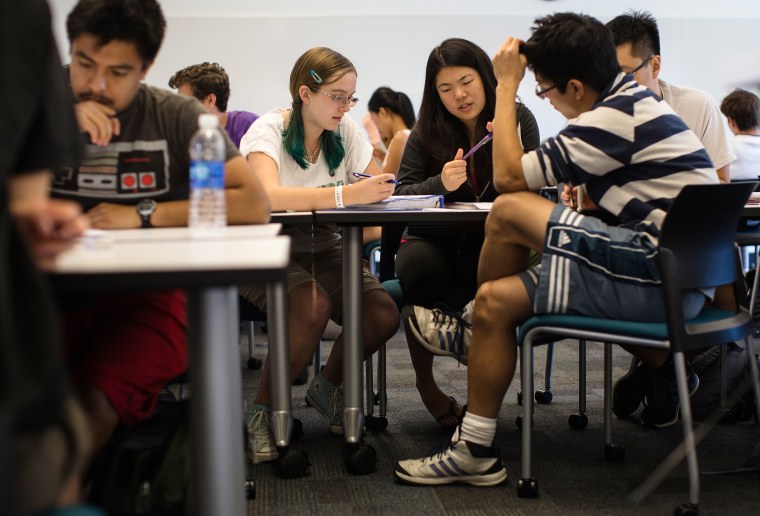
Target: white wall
x,y
713,47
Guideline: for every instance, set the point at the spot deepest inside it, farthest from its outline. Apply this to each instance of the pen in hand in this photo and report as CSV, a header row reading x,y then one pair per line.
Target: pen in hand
x,y
365,176
486,139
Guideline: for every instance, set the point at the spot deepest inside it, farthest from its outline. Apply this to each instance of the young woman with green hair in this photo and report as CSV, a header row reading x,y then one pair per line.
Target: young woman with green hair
x,y
306,156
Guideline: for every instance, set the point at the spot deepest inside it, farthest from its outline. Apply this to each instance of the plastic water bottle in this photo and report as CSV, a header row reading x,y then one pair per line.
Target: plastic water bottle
x,y
208,209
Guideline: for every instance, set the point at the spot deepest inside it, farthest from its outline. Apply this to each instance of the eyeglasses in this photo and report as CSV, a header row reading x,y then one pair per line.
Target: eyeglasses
x,y
341,100
642,65
542,93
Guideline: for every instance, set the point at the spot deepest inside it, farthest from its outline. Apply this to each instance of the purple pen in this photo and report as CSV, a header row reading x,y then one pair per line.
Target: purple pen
x,y
486,139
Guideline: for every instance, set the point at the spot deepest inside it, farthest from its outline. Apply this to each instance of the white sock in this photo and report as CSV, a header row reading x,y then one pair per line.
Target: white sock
x,y
478,429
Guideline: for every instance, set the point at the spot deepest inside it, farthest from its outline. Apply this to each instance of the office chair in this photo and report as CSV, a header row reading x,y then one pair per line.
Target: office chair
x,y
696,250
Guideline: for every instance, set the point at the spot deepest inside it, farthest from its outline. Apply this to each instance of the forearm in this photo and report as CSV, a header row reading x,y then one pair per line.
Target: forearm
x,y
724,174
247,206
29,187
507,151
303,199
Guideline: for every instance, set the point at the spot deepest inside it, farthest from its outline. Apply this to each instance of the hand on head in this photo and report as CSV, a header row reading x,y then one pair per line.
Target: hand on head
x,y
508,63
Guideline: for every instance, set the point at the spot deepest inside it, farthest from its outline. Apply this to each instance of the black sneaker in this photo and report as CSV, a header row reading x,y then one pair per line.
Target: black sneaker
x,y
629,391
662,403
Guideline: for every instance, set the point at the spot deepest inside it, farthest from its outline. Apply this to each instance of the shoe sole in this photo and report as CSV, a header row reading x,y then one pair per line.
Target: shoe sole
x,y
678,411
334,429
410,326
492,479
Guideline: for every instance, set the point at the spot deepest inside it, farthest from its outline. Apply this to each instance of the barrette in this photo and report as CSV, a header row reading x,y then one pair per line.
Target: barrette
x,y
316,76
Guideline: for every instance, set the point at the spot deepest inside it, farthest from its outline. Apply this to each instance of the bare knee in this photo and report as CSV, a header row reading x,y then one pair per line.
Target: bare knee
x,y
101,416
310,306
382,318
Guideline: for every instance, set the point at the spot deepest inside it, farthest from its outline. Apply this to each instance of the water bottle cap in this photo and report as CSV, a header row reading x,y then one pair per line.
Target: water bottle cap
x,y
208,121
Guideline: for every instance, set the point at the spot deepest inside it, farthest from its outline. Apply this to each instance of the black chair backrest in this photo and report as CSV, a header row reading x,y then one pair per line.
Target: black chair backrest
x,y
699,230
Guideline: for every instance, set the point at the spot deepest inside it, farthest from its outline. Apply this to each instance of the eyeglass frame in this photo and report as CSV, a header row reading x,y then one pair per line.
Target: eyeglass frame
x,y
342,100
642,65
542,93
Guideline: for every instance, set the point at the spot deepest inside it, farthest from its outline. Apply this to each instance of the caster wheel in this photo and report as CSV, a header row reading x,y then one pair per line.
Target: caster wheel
x,y
250,489
527,488
519,398
254,363
291,463
577,421
302,378
376,399
376,424
614,453
359,458
686,509
297,430
544,397
519,422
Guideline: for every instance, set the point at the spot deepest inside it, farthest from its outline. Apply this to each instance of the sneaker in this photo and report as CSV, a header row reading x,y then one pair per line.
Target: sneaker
x,y
662,403
460,461
629,391
261,447
328,400
441,331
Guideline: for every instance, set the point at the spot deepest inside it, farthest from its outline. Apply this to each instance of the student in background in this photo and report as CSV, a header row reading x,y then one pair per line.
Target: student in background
x,y
587,267
637,39
742,109
123,347
306,156
209,83
393,115
433,267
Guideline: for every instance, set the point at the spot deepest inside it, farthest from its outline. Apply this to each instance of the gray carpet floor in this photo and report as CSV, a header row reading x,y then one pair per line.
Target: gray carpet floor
x,y
573,475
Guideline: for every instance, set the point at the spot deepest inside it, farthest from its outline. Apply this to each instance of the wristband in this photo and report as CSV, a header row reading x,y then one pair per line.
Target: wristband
x,y
339,197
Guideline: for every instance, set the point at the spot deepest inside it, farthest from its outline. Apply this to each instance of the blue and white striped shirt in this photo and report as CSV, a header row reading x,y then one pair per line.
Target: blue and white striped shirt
x,y
632,152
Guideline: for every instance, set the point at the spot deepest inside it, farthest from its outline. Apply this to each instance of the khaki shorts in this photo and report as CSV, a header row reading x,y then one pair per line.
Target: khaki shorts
x,y
326,268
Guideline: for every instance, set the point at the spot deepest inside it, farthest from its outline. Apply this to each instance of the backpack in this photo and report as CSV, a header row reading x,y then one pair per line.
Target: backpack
x,y
146,469
707,396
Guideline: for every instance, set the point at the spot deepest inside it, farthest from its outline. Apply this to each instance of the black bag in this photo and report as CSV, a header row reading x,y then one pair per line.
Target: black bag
x,y
707,396
146,469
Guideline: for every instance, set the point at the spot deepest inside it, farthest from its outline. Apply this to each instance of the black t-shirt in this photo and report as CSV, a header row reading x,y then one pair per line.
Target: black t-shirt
x,y
150,158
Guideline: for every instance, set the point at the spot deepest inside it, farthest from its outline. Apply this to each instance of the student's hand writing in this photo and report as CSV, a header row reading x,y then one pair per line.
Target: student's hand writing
x,y
114,216
49,227
508,63
454,172
372,189
97,120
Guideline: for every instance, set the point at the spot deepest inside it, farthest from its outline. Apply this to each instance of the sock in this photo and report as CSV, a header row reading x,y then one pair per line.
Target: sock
x,y
477,429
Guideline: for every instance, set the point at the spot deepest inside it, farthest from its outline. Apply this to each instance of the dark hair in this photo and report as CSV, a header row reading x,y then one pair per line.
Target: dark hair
x,y
309,70
203,80
743,107
639,28
396,102
440,131
136,21
567,46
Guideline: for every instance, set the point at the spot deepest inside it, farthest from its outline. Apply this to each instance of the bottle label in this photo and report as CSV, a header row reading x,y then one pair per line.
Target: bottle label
x,y
206,174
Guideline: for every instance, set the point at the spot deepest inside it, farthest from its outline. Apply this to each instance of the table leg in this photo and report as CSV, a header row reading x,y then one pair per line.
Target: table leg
x,y
279,363
217,405
353,334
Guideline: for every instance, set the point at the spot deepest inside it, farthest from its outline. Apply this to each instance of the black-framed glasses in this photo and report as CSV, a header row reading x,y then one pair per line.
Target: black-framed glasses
x,y
342,100
642,65
542,93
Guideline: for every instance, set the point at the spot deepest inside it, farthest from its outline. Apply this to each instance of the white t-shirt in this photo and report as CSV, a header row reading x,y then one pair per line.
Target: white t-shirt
x,y
747,150
265,135
702,115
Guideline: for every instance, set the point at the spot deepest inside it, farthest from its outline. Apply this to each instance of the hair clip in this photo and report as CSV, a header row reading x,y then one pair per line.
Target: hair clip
x,y
316,76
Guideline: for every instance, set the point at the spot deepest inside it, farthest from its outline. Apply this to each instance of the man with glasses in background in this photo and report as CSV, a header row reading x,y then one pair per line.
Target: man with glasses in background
x,y
637,39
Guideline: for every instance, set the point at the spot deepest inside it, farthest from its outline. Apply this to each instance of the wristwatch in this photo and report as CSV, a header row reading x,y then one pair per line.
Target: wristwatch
x,y
145,209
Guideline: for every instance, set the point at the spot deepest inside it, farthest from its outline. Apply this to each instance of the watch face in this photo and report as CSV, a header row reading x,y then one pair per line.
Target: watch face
x,y
146,206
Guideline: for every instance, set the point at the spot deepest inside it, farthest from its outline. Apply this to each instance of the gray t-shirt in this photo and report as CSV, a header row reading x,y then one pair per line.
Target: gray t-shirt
x,y
149,159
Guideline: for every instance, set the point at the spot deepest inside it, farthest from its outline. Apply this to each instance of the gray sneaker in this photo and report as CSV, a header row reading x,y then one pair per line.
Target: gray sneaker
x,y
440,330
328,400
261,447
460,461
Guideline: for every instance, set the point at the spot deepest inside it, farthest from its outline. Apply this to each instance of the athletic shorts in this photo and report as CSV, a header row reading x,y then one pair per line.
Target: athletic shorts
x,y
590,268
326,268
129,346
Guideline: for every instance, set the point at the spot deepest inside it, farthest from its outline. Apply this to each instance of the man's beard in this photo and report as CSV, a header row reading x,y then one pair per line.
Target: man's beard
x,y
100,99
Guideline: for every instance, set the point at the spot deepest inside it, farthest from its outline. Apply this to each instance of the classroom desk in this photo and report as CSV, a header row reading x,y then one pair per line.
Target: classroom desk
x,y
352,221
209,268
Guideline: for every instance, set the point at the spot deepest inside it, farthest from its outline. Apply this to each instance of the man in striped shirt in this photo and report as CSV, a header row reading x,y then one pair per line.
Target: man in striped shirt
x,y
632,155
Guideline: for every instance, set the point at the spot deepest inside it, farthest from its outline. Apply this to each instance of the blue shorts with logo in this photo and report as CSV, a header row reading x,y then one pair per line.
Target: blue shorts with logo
x,y
590,268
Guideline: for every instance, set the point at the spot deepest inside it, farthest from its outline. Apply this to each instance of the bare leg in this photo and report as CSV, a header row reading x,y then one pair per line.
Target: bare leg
x,y
101,417
381,321
309,310
435,400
